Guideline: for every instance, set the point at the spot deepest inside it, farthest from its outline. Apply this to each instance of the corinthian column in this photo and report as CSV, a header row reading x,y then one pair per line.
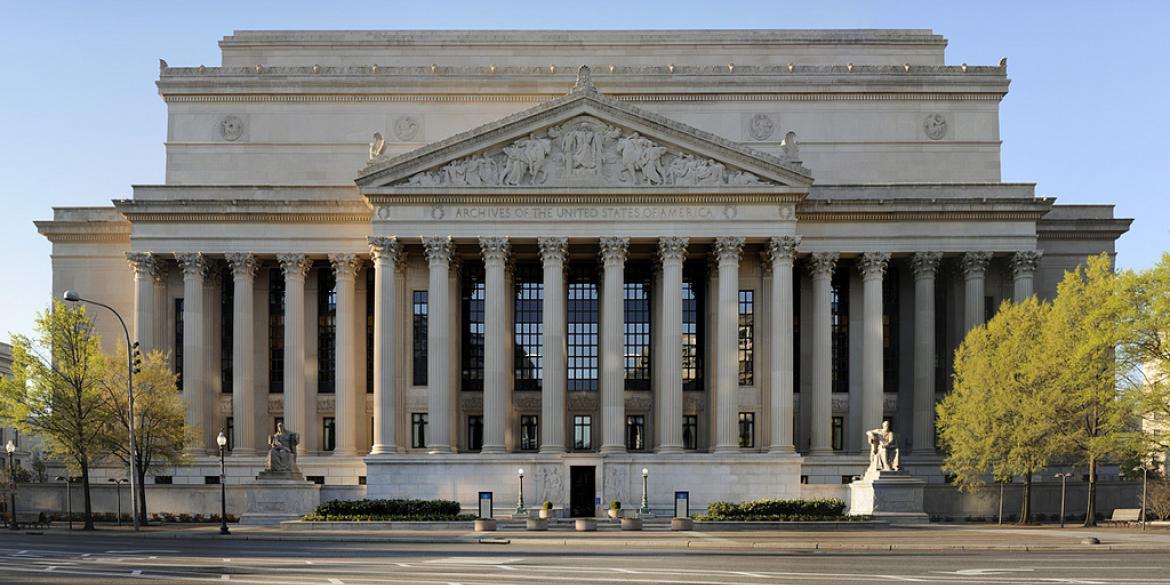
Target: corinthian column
x,y
495,343
821,266
295,267
728,251
873,271
144,266
552,396
347,413
782,253
243,267
195,392
974,269
439,252
925,266
386,253
672,251
1023,269
613,389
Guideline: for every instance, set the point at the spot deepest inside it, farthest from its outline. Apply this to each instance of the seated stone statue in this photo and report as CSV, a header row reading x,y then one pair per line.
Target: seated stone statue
x,y
282,452
883,452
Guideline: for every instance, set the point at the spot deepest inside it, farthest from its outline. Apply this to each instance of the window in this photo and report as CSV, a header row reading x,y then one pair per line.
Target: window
x,y
747,429
473,327
635,432
160,479
989,308
582,328
178,353
275,331
326,331
890,331
370,332
328,433
529,432
419,337
636,340
317,479
693,326
582,432
838,433
211,479
796,336
690,437
418,430
747,326
226,317
362,480
840,311
229,431
529,328
475,432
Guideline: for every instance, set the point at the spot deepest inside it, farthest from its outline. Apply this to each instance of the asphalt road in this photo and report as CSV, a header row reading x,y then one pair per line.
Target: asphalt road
x,y
91,559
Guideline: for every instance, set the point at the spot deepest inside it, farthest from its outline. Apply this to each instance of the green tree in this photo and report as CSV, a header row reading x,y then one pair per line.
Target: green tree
x,y
1146,351
53,391
997,422
159,416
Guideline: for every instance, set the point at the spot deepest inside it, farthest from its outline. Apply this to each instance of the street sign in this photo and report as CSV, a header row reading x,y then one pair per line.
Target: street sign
x,y
485,504
682,504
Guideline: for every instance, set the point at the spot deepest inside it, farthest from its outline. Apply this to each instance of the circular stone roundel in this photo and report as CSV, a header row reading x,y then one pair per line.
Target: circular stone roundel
x,y
761,127
231,128
935,126
406,127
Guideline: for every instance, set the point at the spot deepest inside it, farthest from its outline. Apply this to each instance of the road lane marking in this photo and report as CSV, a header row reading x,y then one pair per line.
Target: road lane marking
x,y
336,582
136,572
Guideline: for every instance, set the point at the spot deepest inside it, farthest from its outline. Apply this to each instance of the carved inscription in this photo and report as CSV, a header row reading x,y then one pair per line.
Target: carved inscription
x,y
582,213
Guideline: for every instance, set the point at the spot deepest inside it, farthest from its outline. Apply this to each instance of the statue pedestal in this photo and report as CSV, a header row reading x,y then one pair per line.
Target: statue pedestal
x,y
271,500
894,496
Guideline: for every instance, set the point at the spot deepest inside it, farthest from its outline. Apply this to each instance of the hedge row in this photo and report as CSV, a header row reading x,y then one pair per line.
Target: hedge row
x,y
776,510
387,510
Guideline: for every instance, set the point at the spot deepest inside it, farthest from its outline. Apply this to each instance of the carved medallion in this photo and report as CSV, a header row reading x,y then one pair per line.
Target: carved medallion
x,y
406,127
761,127
231,128
935,126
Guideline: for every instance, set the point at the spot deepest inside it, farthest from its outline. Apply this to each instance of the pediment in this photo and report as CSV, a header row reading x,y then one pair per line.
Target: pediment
x,y
583,140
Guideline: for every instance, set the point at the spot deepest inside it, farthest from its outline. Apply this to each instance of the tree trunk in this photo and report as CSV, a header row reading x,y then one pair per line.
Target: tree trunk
x,y
1091,508
141,488
85,489
1026,500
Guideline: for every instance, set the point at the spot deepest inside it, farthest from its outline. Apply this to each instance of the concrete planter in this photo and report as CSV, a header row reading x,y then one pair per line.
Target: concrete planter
x,y
615,514
546,514
485,525
631,523
682,524
586,525
537,525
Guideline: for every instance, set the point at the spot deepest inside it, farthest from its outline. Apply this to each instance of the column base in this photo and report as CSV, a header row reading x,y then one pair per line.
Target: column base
x,y
384,449
345,453
782,450
612,449
241,453
824,452
726,449
439,449
552,449
493,449
669,449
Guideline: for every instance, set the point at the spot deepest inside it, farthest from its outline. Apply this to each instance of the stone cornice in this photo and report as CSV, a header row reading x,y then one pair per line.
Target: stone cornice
x,y
648,196
715,96
61,231
219,211
913,209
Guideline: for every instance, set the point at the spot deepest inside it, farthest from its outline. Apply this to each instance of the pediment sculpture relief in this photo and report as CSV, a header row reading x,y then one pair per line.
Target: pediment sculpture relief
x,y
583,151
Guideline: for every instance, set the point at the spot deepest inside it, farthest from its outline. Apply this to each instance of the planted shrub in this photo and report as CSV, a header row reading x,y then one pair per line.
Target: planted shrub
x,y
547,505
775,510
388,510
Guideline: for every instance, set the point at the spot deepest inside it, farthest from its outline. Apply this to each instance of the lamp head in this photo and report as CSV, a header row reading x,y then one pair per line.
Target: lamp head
x,y
71,296
520,472
60,478
645,472
10,447
221,440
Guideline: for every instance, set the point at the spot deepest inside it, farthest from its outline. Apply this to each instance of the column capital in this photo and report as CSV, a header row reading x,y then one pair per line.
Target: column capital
x,y
142,263
553,249
439,249
766,264
823,263
729,248
160,270
925,264
345,266
192,263
783,248
294,265
243,264
975,263
385,249
873,264
1025,262
613,250
495,249
672,248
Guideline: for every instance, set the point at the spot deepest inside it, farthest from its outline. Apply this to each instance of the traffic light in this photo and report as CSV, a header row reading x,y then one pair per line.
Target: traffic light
x,y
136,358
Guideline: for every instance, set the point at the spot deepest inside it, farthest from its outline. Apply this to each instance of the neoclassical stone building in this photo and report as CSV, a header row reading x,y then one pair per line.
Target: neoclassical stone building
x,y
444,256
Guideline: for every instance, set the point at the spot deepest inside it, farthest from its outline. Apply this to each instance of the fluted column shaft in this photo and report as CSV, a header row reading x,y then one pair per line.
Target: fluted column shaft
x,y
672,251
1024,266
925,266
195,392
243,268
728,251
144,266
822,265
295,268
439,252
782,253
386,253
495,344
347,409
974,271
613,390
552,396
873,271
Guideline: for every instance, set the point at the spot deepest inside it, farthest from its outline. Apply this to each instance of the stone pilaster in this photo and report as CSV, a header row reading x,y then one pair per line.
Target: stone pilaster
x,y
821,266
553,252
144,266
495,343
781,255
873,271
348,409
440,251
613,390
195,392
296,268
1024,266
243,266
672,251
212,380
974,274
925,265
161,305
728,250
386,253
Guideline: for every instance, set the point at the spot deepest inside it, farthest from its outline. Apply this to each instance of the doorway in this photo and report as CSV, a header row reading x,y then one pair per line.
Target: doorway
x,y
582,487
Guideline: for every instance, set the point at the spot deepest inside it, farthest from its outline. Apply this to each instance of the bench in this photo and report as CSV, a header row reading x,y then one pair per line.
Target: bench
x,y
1126,516
28,519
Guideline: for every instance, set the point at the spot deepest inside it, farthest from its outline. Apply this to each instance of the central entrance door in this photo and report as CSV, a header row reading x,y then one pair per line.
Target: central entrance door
x,y
582,487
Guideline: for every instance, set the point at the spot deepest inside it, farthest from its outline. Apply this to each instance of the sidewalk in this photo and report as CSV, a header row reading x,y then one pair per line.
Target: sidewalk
x,y
916,538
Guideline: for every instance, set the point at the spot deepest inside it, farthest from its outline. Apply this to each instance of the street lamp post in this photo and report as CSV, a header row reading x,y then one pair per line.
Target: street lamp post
x,y
72,297
221,440
999,520
1145,477
645,509
11,448
1063,478
118,492
520,502
68,498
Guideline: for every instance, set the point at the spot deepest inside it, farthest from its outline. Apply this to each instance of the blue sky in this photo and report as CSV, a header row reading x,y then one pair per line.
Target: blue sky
x,y
1086,116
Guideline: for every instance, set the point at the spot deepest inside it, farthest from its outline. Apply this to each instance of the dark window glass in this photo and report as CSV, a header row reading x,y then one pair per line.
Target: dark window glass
x,y
211,479
529,432
582,328
370,332
328,433
179,344
690,424
838,433
317,479
582,432
226,317
890,330
795,334
275,331
636,340
474,432
694,275
419,335
747,429
529,327
326,330
229,431
473,326
635,432
163,479
839,305
747,329
418,430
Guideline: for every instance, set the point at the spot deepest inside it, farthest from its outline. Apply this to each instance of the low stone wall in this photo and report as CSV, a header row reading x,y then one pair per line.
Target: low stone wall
x,y
943,501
